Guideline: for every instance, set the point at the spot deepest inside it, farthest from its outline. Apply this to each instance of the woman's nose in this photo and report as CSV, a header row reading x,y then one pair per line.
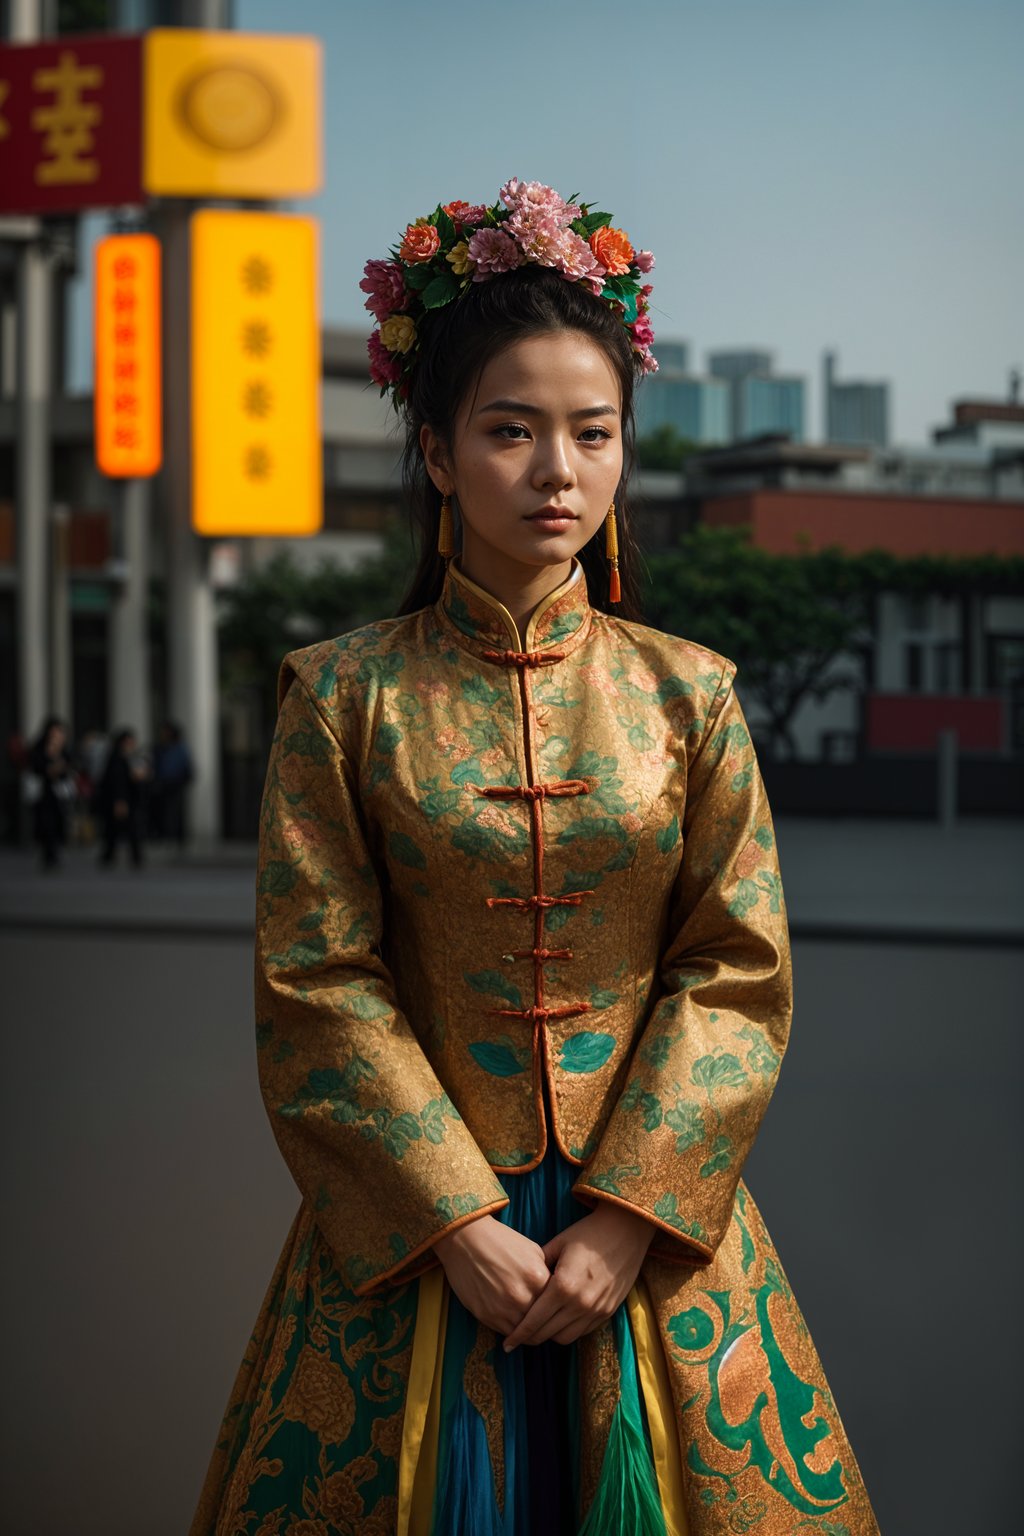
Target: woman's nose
x,y
554,464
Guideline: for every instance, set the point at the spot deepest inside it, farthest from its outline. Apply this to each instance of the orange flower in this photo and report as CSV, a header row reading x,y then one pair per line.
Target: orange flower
x,y
613,249
420,243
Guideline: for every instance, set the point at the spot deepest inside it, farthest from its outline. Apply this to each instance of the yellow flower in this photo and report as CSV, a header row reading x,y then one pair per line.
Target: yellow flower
x,y
459,258
398,333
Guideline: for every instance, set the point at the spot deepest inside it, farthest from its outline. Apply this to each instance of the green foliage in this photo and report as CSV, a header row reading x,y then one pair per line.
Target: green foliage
x,y
789,621
663,447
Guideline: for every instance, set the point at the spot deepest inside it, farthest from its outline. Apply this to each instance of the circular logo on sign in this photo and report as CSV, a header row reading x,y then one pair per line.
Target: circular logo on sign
x,y
229,107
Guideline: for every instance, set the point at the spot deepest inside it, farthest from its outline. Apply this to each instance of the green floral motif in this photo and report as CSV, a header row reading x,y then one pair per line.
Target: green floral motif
x,y
500,1057
636,1096
739,1213
477,690
666,1209
764,839
304,955
312,745
748,893
795,1411
602,997
586,1051
673,688
496,985
277,878
326,683
460,614
668,837
760,1058
384,670
722,1153
493,843
720,1071
692,1329
563,625
687,1120
743,779
451,1207
402,848
334,1089
607,792
610,1181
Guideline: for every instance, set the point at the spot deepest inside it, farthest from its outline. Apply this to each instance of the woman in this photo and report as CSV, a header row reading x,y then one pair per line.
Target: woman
x,y
523,982
52,789
118,799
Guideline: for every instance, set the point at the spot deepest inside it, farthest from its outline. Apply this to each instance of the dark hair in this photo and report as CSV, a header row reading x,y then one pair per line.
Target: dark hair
x,y
456,343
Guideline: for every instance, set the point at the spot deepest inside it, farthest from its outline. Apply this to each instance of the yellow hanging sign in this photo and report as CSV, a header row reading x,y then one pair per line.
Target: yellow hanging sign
x,y
126,386
234,114
256,438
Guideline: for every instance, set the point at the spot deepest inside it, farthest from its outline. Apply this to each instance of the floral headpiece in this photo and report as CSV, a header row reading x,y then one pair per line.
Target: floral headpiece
x,y
462,243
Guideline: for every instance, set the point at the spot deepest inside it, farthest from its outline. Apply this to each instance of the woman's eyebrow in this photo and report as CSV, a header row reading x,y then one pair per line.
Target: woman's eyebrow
x,y
523,409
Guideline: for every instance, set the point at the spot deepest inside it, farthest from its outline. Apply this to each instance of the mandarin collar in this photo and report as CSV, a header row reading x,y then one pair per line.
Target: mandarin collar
x,y
482,622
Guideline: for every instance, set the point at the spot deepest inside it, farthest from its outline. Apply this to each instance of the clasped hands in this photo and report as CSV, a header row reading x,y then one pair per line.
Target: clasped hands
x,y
560,1291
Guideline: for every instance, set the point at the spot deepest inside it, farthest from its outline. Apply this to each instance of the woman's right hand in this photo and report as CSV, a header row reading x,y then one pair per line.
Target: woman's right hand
x,y
496,1272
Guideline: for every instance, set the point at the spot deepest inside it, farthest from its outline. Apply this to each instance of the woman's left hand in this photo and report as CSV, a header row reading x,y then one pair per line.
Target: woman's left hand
x,y
596,1261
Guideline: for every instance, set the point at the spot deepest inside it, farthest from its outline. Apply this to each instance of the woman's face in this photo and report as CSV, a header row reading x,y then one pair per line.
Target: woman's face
x,y
541,431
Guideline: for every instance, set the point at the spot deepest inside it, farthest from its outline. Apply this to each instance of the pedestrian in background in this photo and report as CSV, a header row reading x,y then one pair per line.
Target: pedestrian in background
x,y
172,773
48,785
119,796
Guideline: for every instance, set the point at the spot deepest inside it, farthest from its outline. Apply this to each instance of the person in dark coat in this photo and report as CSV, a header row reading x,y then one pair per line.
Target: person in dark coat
x,y
53,788
118,799
172,773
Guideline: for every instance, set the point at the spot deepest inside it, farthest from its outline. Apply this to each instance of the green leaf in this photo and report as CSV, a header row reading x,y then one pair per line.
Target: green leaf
x,y
308,744
718,1071
445,228
586,1052
687,1120
499,1060
406,851
722,1151
668,837
595,221
496,983
441,290
313,920
278,878
418,276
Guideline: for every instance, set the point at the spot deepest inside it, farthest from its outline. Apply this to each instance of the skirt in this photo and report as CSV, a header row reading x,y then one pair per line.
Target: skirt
x,y
398,1414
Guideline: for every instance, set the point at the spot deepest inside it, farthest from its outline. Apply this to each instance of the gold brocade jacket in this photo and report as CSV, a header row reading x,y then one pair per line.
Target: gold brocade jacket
x,y
512,894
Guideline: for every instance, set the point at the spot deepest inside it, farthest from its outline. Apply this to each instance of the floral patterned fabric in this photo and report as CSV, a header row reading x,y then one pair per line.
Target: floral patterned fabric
x,y
494,868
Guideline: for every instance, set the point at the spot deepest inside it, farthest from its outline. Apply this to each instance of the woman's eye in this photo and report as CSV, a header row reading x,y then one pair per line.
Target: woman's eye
x,y
594,434
513,430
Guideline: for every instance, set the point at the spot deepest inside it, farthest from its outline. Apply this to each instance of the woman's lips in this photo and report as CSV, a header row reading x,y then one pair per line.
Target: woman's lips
x,y
554,519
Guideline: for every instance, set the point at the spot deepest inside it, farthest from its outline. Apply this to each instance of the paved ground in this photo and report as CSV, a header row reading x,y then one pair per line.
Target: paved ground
x,y
145,1201
871,880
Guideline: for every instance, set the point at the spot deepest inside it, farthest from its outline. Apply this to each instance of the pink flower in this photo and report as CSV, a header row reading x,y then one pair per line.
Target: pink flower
x,y
385,368
644,261
386,287
533,197
643,332
648,363
493,251
576,259
463,214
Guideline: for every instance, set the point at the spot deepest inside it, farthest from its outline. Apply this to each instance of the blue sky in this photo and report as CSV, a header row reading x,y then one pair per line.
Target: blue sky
x,y
808,173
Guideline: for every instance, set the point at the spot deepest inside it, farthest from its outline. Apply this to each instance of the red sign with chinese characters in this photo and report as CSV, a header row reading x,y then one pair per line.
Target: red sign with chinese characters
x,y
71,123
126,393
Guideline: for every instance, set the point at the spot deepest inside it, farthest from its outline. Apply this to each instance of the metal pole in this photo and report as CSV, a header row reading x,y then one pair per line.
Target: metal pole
x,y
191,617
32,472
128,648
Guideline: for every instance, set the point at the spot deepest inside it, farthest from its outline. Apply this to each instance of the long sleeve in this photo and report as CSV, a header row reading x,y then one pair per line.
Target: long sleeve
x,y
373,1141
706,1063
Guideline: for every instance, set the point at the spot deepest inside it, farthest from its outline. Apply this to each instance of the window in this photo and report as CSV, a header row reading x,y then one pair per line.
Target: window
x,y
913,666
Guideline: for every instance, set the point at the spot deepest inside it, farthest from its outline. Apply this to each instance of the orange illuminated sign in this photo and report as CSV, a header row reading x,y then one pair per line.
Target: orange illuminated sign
x,y
126,392
256,442
234,114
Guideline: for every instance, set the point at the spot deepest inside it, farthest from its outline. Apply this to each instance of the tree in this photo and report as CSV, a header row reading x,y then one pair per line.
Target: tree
x,y
794,624
785,620
663,448
280,606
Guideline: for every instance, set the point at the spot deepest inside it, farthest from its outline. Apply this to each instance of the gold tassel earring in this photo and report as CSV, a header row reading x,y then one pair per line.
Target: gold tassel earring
x,y
611,549
446,531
